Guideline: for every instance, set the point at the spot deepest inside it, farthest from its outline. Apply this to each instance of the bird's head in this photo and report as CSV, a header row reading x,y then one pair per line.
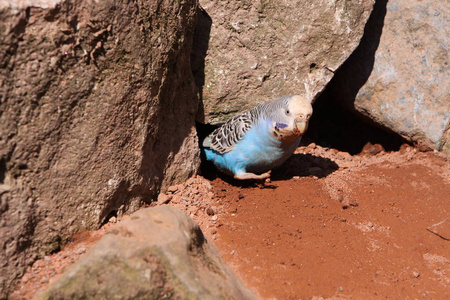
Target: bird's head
x,y
294,119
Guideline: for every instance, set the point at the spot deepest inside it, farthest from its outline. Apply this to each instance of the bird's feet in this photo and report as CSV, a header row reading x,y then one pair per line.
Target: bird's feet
x,y
246,176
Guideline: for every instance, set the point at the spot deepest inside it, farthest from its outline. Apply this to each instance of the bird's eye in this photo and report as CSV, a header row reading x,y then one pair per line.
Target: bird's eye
x,y
287,112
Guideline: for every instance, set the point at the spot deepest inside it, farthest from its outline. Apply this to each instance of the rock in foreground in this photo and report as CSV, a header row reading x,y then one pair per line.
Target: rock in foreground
x,y
156,253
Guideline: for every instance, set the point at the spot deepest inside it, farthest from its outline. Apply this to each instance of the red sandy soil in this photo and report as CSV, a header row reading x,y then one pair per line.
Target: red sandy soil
x,y
328,226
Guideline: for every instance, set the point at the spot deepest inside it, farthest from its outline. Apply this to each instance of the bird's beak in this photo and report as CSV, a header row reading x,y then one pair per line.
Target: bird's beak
x,y
301,126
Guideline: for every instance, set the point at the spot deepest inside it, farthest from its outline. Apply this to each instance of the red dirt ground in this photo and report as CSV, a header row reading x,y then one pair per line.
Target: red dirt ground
x,y
328,225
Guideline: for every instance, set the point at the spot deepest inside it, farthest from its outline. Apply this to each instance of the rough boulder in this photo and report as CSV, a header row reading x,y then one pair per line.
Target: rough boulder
x,y
157,253
262,50
399,75
97,109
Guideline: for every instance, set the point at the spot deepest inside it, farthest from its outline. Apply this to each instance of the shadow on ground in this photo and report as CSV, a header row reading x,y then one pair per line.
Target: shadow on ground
x,y
303,165
298,165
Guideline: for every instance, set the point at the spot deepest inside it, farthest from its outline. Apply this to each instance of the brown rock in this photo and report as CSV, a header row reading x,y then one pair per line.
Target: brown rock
x,y
97,109
164,198
372,149
157,253
399,74
346,202
210,211
172,189
262,50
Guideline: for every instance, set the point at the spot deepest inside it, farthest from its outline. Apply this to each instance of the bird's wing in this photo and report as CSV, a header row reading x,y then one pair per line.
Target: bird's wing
x,y
225,137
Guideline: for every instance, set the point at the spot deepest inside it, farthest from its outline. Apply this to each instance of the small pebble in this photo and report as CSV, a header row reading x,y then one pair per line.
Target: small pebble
x,y
208,185
416,274
214,218
164,198
80,250
172,189
346,203
113,220
47,258
210,211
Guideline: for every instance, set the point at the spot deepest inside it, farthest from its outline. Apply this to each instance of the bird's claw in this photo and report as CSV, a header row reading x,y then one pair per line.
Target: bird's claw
x,y
246,176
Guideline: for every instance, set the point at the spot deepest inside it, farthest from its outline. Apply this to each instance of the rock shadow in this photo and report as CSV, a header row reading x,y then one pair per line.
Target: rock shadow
x,y
355,71
199,49
335,122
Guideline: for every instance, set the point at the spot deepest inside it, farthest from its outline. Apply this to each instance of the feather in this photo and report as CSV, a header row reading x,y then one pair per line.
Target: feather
x,y
225,137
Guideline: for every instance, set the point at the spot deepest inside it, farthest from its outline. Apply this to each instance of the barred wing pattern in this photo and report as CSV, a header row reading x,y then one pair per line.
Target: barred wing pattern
x,y
225,137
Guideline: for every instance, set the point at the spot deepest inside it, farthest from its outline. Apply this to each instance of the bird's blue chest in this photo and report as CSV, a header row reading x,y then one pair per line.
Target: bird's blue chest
x,y
257,151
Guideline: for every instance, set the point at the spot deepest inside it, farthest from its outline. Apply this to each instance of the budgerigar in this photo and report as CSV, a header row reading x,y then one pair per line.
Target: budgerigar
x,y
260,139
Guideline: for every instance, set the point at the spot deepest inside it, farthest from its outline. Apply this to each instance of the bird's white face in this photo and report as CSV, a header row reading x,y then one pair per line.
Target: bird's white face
x,y
297,116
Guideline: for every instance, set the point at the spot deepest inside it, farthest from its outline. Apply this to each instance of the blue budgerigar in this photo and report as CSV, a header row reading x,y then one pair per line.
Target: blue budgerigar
x,y
260,139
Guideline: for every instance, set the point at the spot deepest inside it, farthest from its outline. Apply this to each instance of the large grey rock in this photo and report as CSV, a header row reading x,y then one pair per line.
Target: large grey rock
x,y
399,76
157,253
261,50
97,109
